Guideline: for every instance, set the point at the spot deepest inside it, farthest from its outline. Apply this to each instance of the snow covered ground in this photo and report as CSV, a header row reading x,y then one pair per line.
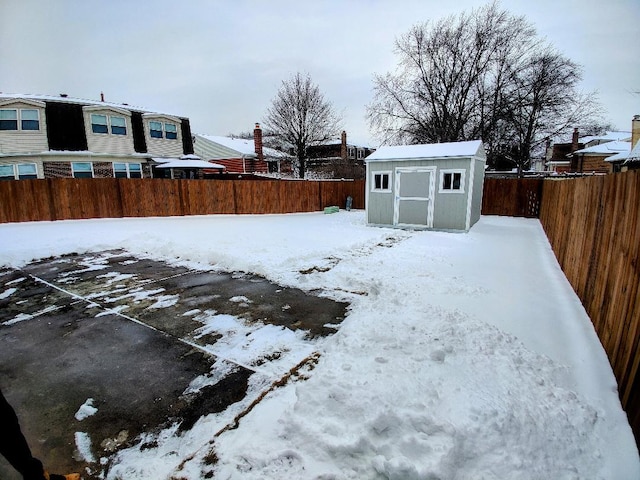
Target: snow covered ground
x,y
464,356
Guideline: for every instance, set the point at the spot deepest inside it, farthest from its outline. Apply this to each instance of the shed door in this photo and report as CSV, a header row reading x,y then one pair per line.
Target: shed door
x,y
414,195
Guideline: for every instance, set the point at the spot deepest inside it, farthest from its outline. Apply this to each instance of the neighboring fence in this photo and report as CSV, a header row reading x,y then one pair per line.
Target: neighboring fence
x,y
593,225
512,197
70,198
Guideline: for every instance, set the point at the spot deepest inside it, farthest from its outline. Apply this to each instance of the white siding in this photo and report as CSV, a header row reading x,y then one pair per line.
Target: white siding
x,y
24,141
107,142
162,147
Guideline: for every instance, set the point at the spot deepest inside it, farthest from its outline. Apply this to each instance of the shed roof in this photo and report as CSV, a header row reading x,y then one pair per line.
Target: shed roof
x,y
428,151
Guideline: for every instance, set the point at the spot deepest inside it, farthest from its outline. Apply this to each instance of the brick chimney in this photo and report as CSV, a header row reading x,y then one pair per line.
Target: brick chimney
x,y
635,130
343,145
574,141
257,140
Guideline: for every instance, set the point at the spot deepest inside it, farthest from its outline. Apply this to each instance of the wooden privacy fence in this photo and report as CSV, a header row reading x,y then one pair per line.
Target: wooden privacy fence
x,y
593,225
71,198
512,197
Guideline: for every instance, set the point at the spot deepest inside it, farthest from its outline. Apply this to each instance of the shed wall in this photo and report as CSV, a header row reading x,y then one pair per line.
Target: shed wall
x,y
478,190
450,209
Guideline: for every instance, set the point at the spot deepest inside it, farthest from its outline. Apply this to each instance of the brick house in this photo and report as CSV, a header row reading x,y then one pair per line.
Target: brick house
x,y
48,137
587,154
239,155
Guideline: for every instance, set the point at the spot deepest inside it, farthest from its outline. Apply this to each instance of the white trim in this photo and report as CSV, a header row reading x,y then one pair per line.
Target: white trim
x,y
472,174
452,171
430,199
373,181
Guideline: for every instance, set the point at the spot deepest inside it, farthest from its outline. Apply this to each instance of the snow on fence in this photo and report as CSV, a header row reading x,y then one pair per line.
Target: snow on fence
x,y
70,198
593,225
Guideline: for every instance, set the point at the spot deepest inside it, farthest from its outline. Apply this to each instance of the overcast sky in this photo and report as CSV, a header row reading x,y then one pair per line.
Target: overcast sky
x,y
220,63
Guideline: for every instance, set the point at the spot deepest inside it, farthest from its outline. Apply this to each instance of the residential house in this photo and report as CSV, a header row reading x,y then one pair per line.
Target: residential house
x,y
587,154
47,137
338,158
628,159
240,155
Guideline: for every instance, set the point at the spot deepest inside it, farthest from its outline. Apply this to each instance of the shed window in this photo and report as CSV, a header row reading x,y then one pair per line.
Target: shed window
x,y
99,123
155,129
452,181
381,182
118,126
82,169
8,119
29,119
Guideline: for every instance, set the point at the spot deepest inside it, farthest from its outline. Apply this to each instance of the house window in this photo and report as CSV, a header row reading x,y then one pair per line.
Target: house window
x,y
381,182
155,129
360,153
8,119
20,171
29,119
99,123
171,131
127,170
6,172
351,152
27,171
118,126
82,169
452,181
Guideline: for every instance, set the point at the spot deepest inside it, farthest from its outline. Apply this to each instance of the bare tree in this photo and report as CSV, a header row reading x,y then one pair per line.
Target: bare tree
x,y
300,116
484,74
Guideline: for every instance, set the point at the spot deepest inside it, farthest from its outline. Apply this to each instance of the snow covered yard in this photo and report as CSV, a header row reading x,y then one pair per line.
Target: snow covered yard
x,y
463,356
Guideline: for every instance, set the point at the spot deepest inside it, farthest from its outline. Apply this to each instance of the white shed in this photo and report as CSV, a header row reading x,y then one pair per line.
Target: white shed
x,y
435,186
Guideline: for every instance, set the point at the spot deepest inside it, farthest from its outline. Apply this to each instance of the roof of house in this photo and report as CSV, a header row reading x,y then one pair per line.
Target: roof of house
x,y
80,101
428,151
634,154
217,147
608,148
606,137
189,163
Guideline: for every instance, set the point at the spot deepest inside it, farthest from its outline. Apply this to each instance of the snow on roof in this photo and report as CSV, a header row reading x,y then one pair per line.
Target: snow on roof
x,y
634,155
241,147
607,137
609,148
189,163
81,101
432,150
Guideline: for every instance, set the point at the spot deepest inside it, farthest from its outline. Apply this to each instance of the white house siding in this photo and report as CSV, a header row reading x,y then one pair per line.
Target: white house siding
x,y
25,141
25,159
162,147
107,142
